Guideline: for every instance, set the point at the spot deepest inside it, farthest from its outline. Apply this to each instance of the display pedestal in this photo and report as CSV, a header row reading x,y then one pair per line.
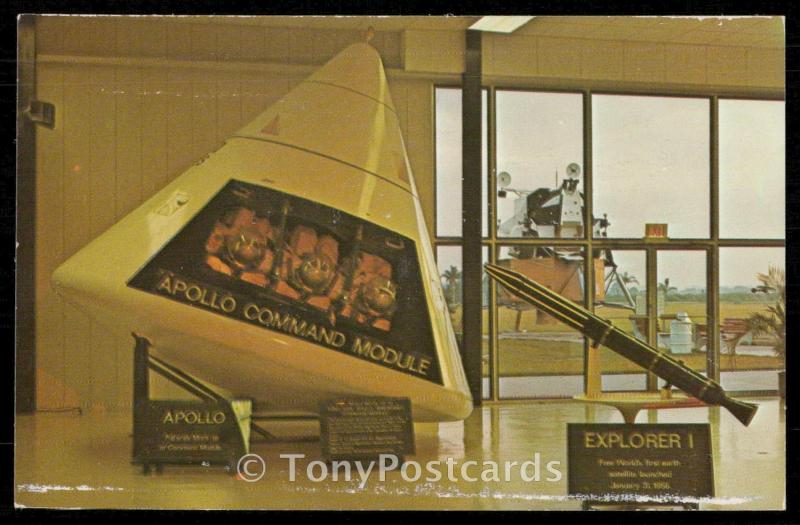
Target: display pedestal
x,y
630,403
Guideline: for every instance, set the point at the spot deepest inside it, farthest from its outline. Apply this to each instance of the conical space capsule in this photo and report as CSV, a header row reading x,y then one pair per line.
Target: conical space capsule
x,y
293,264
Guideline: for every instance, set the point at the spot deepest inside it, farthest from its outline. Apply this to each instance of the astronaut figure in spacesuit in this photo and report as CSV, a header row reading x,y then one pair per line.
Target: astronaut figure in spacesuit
x,y
239,246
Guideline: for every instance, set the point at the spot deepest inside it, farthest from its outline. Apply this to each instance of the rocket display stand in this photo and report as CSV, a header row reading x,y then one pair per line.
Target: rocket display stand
x,y
629,405
144,362
701,391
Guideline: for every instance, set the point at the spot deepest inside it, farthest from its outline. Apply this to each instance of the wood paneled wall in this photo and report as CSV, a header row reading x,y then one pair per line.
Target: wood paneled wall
x,y
137,102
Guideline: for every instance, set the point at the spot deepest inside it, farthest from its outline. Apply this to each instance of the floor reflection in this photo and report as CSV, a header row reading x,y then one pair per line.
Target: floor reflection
x,y
67,460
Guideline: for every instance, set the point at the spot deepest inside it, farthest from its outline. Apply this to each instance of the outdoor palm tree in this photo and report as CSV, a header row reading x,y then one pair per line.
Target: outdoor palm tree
x,y
628,278
773,321
666,288
452,276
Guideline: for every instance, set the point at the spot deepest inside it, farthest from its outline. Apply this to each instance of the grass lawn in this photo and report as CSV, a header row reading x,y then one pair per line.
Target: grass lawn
x,y
525,357
619,316
522,357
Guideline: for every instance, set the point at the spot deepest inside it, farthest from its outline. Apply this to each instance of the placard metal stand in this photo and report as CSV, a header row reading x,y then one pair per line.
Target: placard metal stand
x,y
155,445
269,437
211,430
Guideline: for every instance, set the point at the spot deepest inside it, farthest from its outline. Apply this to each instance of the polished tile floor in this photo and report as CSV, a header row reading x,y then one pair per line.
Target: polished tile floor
x,y
71,460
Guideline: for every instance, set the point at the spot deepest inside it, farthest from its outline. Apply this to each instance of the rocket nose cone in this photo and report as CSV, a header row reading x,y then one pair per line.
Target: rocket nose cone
x,y
358,68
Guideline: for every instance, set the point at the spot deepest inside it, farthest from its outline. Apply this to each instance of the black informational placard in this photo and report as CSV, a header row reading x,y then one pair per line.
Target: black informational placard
x,y
658,461
363,428
191,432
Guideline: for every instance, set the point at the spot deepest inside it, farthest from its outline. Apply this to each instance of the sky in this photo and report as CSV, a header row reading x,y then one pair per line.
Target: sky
x,y
651,164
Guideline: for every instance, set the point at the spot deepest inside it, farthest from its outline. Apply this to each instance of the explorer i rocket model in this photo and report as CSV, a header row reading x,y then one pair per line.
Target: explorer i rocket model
x,y
292,264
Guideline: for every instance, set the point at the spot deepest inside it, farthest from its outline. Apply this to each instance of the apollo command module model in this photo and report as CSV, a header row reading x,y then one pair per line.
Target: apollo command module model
x,y
293,263
555,213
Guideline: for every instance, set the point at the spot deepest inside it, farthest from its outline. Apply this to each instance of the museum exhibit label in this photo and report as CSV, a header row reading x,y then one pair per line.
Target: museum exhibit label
x,y
192,432
364,428
211,430
662,462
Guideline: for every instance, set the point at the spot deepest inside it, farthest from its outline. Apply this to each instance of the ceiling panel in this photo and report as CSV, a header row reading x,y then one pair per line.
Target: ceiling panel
x,y
573,20
379,23
751,31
